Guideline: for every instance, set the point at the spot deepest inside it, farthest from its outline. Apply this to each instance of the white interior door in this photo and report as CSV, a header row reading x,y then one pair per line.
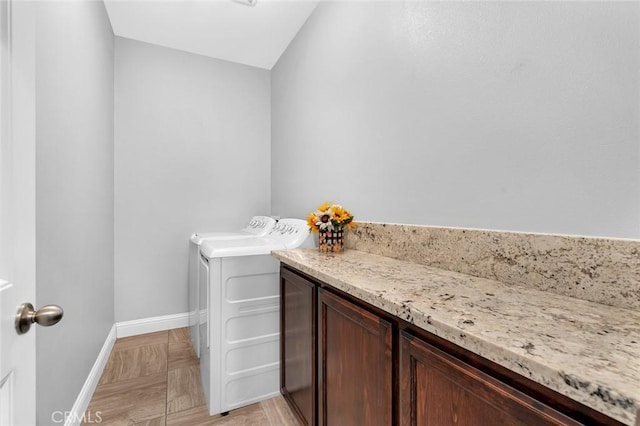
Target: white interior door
x,y
17,209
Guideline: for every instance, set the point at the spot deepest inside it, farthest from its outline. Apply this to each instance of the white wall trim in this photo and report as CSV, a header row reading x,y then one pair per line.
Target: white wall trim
x,y
76,415
118,330
150,325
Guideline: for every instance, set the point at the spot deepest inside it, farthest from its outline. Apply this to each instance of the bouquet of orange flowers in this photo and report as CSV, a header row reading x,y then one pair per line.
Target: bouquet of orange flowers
x,y
330,217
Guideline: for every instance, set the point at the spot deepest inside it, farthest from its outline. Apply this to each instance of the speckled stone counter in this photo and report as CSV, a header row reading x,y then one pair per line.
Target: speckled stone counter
x,y
587,351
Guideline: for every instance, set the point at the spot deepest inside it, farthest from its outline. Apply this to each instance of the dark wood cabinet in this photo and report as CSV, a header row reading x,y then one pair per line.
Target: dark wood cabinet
x,y
345,362
354,365
298,344
437,389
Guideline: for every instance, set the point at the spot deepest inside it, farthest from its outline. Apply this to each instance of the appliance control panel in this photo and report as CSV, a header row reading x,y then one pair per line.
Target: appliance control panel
x,y
290,232
260,225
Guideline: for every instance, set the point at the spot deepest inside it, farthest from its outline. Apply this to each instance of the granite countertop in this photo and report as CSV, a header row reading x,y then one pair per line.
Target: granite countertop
x,y
587,351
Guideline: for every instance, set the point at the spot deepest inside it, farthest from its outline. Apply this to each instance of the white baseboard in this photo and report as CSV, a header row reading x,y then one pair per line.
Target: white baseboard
x,y
82,402
150,325
118,330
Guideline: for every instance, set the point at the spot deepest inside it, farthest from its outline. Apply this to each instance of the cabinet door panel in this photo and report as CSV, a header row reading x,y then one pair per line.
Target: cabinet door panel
x,y
298,344
437,389
355,364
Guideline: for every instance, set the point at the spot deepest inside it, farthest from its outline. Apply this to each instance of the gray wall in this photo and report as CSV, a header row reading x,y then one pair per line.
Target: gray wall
x,y
191,154
502,115
74,195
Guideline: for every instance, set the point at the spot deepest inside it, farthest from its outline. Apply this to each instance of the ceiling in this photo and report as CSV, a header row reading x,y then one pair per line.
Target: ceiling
x,y
224,29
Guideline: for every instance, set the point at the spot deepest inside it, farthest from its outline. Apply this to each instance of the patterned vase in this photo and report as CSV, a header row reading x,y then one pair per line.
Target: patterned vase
x,y
330,241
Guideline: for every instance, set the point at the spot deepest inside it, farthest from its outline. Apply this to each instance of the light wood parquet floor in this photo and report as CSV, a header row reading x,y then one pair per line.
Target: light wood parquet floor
x,y
154,380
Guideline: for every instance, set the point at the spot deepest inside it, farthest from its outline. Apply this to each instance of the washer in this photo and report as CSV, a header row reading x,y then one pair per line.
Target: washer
x,y
240,362
257,226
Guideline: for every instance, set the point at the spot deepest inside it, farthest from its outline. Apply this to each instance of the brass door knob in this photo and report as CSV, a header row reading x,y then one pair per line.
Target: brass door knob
x,y
46,316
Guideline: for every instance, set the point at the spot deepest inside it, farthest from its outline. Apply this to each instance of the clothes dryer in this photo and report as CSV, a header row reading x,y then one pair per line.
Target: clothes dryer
x,y
257,226
240,363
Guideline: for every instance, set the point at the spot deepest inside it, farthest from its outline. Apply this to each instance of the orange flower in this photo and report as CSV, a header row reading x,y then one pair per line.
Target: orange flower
x,y
311,221
324,207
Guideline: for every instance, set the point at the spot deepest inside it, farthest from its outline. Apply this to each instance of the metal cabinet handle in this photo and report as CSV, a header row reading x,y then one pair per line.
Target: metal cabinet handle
x,y
46,316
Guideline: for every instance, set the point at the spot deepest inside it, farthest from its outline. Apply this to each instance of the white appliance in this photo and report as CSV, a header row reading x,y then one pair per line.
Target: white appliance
x,y
239,363
257,226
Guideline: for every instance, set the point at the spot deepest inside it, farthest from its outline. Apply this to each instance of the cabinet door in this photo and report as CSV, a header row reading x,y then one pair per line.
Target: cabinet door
x,y
437,389
298,344
355,364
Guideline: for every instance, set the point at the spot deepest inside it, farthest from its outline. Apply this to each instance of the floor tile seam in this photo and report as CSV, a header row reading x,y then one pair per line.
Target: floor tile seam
x,y
177,358
138,349
166,379
166,389
175,361
180,355
103,387
139,376
118,349
153,397
142,337
171,370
